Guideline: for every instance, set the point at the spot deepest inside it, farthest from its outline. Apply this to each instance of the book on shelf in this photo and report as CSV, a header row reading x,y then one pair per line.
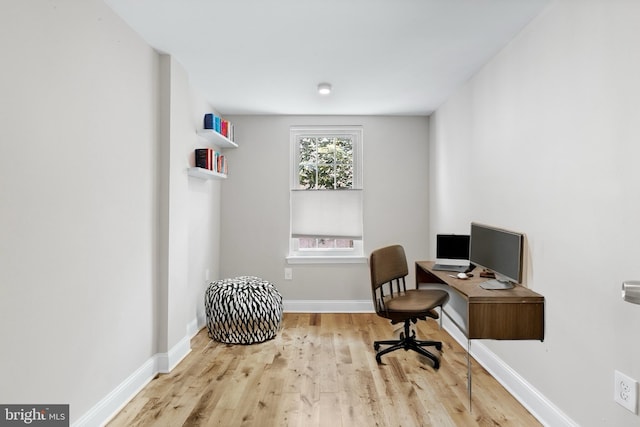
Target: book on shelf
x,y
218,124
208,158
208,121
203,158
221,162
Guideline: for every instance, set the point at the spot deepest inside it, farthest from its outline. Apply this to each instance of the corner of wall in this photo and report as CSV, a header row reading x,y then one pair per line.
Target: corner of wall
x,y
112,404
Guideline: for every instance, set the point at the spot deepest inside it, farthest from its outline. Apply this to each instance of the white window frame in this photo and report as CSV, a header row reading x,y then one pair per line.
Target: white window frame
x,y
334,255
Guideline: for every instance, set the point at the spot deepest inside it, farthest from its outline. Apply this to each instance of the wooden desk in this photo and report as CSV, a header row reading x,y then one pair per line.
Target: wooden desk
x,y
505,314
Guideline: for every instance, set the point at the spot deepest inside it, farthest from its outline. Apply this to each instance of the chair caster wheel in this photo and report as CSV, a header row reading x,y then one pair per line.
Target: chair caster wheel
x,y
376,346
439,346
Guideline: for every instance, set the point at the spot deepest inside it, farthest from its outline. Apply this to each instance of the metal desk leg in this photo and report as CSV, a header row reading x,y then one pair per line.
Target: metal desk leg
x,y
469,371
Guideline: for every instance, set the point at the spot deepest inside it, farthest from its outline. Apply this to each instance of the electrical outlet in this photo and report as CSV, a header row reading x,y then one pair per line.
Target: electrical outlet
x,y
626,391
288,274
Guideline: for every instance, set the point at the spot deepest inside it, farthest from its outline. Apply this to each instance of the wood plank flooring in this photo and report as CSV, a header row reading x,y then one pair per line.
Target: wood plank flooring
x,y
321,371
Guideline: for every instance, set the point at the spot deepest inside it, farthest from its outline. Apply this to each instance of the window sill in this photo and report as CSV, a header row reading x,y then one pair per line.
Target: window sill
x,y
327,260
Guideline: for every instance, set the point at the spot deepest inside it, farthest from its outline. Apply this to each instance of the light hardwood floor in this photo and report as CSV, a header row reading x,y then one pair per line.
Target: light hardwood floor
x,y
321,371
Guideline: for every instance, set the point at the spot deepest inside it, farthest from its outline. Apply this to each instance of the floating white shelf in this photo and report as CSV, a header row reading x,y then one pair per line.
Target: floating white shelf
x,y
217,139
205,174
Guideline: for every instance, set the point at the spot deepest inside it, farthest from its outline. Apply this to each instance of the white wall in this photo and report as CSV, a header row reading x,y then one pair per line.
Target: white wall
x,y
78,202
100,226
204,223
545,141
177,138
190,209
255,202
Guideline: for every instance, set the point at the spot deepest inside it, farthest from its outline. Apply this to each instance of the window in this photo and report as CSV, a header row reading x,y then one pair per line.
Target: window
x,y
326,193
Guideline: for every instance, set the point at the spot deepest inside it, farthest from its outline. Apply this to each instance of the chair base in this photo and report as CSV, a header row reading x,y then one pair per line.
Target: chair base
x,y
408,341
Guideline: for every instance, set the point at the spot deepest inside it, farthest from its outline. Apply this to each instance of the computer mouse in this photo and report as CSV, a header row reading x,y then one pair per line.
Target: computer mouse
x,y
462,276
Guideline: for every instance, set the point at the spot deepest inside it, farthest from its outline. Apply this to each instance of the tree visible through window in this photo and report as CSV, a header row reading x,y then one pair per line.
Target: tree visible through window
x,y
325,163
326,160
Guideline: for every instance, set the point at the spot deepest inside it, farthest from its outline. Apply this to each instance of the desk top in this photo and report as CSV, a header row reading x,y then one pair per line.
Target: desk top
x,y
470,288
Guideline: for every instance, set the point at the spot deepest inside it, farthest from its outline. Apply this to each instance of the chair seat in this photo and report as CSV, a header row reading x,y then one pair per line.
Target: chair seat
x,y
415,300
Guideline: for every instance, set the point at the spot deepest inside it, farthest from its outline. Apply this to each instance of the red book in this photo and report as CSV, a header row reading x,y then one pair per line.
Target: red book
x,y
224,127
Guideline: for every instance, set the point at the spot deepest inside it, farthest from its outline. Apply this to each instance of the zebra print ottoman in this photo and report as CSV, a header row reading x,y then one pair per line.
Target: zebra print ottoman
x,y
243,310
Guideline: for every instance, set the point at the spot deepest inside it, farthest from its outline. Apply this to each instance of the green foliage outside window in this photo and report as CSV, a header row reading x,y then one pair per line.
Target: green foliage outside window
x,y
325,163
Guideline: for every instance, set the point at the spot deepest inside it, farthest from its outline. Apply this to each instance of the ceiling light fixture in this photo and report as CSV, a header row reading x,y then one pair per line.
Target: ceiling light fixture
x,y
324,88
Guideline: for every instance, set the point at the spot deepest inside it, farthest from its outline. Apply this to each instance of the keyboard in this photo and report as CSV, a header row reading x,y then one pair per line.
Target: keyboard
x,y
496,284
456,268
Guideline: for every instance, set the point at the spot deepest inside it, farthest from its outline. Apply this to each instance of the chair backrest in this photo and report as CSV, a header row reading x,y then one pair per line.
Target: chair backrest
x,y
387,265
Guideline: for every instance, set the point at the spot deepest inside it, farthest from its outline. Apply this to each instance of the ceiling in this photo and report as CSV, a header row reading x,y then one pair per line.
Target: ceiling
x,y
382,57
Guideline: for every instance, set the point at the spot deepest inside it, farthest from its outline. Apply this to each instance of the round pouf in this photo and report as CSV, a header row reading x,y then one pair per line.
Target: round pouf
x,y
243,310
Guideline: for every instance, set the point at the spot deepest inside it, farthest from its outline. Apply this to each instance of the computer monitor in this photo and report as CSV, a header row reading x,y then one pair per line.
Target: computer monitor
x,y
498,250
452,247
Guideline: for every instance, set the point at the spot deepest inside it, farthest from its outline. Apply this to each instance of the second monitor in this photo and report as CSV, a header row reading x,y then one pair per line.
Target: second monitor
x,y
497,250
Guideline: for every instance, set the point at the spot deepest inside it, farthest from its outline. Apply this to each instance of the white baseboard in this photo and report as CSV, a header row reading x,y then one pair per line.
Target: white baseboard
x,y
113,403
108,407
328,306
168,361
528,396
193,327
201,320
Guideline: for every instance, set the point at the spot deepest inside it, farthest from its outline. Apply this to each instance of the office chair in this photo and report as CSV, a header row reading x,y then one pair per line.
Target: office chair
x,y
392,300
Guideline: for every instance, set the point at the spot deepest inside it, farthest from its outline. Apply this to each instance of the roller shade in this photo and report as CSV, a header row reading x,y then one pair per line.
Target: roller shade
x,y
326,213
